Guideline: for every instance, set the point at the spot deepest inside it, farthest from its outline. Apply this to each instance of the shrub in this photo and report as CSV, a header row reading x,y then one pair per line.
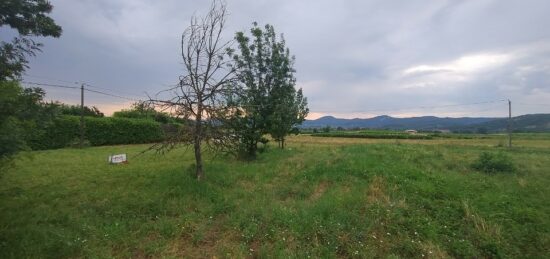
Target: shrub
x,y
58,134
63,131
494,163
115,131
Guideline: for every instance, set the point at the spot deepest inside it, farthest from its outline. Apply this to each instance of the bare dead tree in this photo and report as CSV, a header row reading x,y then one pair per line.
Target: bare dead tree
x,y
201,95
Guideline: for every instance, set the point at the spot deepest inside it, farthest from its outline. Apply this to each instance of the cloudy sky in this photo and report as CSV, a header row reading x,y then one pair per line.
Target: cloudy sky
x,y
353,58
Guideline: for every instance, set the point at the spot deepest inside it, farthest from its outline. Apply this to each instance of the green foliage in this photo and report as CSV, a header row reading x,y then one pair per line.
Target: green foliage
x,y
141,110
22,116
75,110
490,162
267,101
290,110
317,199
29,18
98,131
113,131
12,139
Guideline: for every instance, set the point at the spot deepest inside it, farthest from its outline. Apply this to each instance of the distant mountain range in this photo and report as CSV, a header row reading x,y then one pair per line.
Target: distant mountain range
x,y
526,123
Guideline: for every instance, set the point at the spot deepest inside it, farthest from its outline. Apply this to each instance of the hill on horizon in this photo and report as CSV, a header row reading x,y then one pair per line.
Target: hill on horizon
x,y
524,123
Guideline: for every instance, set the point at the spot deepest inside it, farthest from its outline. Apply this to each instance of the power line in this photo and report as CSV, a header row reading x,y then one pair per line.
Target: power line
x,y
114,91
534,104
52,85
112,95
358,111
54,79
87,84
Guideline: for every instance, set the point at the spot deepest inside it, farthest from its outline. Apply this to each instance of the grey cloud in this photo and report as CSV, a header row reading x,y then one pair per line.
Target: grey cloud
x,y
350,55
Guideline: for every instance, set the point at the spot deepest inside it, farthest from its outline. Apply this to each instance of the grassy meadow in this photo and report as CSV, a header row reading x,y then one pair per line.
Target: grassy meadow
x,y
321,198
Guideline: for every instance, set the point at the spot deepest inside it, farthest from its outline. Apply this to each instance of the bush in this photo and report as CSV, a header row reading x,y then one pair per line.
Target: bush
x,y
116,131
58,134
63,131
494,163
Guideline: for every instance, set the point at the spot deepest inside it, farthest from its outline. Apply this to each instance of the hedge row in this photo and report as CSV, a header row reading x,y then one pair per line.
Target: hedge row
x,y
371,135
65,131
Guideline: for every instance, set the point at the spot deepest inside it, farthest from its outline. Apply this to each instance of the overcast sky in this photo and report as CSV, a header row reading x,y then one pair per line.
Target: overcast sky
x,y
353,58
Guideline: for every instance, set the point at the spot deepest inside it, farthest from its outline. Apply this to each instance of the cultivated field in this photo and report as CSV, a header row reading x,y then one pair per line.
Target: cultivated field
x,y
322,197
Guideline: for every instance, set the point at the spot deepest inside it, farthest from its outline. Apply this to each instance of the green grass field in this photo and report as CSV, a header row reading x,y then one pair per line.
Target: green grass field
x,y
322,197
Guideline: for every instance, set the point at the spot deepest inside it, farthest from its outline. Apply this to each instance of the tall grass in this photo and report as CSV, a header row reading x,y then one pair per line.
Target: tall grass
x,y
312,199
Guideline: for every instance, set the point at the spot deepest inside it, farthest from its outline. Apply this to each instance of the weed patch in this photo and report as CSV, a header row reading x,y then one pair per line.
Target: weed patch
x,y
492,163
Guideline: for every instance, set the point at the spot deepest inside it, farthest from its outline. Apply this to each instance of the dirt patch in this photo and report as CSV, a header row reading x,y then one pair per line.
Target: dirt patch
x,y
214,242
376,192
319,191
433,251
522,182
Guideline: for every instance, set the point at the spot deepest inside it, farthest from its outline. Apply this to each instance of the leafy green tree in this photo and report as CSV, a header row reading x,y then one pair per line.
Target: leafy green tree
x,y
75,110
144,110
268,102
29,18
22,117
289,111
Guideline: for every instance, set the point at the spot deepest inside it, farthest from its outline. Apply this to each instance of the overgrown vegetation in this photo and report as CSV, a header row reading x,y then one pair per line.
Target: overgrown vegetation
x,y
74,110
22,115
494,162
143,110
64,131
321,198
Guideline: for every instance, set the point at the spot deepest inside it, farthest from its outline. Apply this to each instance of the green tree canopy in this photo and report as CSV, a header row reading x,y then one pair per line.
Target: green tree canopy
x,y
22,115
268,102
144,110
29,18
75,110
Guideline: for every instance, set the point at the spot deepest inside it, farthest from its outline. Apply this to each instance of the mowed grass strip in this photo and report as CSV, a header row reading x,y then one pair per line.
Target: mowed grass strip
x,y
394,199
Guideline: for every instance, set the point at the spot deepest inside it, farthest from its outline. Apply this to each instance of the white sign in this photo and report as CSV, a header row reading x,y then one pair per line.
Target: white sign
x,y
117,159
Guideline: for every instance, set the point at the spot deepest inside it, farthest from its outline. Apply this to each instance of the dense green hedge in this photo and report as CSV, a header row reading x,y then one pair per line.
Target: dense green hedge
x,y
65,130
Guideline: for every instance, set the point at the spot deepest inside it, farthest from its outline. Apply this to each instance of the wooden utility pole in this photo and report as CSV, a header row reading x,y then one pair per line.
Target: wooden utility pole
x,y
509,123
81,115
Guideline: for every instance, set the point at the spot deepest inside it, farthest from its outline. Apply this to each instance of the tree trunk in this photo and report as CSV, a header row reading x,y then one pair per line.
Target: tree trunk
x,y
282,143
197,144
252,149
198,159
